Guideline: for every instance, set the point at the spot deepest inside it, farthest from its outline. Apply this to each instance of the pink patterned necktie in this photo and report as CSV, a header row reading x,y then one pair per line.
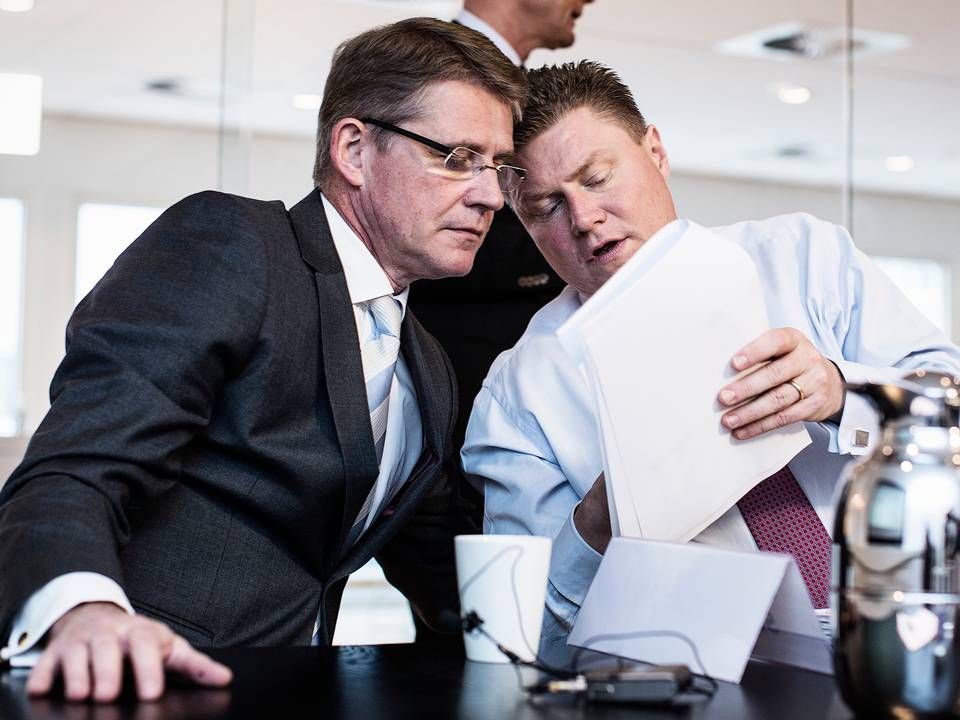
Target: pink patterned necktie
x,y
782,520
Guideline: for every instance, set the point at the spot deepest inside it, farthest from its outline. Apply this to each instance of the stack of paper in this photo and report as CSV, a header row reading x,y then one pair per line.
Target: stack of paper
x,y
655,344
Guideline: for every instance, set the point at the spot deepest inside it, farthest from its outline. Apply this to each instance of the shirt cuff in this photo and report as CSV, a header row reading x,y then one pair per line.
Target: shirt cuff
x,y
49,604
573,563
859,423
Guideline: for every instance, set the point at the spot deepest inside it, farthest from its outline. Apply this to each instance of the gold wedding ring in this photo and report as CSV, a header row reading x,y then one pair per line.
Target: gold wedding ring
x,y
796,386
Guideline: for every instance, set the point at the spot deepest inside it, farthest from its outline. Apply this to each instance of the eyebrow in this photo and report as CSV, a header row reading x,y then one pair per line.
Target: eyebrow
x,y
579,172
582,170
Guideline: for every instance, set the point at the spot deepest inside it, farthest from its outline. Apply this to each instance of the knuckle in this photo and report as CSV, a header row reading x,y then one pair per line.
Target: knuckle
x,y
776,373
141,634
780,397
781,420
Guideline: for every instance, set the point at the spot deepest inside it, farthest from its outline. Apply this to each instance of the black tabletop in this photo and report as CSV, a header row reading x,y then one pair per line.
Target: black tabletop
x,y
407,681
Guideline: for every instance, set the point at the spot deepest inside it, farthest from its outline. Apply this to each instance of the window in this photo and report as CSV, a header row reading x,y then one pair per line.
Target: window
x,y
373,612
103,232
11,291
925,282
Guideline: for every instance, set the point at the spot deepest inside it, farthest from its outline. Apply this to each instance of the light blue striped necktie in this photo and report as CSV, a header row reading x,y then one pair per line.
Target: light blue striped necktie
x,y
379,352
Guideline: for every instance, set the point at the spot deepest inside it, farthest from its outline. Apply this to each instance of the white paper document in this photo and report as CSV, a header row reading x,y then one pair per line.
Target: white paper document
x,y
655,344
656,601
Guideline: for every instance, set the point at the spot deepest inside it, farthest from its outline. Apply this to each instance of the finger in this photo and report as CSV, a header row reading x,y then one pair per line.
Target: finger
x,y
779,398
75,666
795,413
146,655
106,660
771,344
767,377
200,668
43,673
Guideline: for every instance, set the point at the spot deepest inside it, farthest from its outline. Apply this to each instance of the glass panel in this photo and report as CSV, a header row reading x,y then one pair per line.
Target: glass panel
x,y
103,232
925,282
11,278
130,113
906,152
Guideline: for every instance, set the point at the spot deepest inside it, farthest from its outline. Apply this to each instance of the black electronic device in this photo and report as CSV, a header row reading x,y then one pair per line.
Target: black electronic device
x,y
656,684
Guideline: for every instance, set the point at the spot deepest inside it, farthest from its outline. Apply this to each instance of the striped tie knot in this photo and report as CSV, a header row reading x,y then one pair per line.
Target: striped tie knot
x,y
387,315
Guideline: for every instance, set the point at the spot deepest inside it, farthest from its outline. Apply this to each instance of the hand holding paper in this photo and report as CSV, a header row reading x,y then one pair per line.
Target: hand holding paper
x,y
793,382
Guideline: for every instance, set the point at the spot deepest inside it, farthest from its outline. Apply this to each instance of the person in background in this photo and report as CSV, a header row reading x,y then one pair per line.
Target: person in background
x,y
596,191
247,411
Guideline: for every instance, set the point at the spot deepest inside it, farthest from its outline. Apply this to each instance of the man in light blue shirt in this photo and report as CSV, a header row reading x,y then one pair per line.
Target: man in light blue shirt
x,y
595,193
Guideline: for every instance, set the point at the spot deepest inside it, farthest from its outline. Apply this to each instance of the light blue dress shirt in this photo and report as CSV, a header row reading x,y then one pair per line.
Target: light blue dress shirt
x,y
533,437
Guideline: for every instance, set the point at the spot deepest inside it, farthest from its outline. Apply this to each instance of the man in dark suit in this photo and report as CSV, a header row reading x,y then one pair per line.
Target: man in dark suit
x,y
245,413
478,316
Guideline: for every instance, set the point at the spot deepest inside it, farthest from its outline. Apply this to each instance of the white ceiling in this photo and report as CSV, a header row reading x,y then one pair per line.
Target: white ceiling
x,y
718,114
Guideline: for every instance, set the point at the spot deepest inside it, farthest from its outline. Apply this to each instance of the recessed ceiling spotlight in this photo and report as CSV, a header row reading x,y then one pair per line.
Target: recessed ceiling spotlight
x,y
899,163
166,85
307,101
16,5
798,41
794,151
793,94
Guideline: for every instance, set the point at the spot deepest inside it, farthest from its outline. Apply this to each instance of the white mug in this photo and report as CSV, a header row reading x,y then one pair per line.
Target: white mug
x,y
503,579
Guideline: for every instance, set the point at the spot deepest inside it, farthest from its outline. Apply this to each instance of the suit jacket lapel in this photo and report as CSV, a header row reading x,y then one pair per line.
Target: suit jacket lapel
x,y
340,358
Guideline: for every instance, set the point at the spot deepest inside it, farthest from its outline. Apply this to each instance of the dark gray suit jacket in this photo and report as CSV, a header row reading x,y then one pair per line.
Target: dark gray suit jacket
x,y
209,444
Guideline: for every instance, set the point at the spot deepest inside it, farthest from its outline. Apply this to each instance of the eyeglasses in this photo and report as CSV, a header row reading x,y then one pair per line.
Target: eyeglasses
x,y
461,163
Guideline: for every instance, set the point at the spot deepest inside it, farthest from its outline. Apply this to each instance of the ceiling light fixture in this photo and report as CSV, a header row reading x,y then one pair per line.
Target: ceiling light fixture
x,y
20,113
899,163
307,101
793,94
16,5
798,41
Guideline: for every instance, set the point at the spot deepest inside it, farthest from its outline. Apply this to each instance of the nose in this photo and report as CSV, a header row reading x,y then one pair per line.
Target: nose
x,y
585,214
485,190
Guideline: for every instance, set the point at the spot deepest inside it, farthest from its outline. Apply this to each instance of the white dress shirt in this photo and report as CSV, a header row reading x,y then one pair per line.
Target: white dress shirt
x,y
403,444
534,437
468,19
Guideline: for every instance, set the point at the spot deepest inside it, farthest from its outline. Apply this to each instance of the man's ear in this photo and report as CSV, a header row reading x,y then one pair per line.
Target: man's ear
x,y
349,146
656,149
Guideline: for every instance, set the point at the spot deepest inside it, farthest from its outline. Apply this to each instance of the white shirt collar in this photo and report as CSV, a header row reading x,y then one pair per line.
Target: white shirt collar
x,y
470,20
366,280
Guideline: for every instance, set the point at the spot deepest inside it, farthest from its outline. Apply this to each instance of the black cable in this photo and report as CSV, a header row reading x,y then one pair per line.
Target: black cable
x,y
649,633
472,622
475,623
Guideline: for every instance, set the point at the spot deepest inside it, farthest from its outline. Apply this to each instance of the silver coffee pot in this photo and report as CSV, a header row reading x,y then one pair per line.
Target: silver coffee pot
x,y
895,580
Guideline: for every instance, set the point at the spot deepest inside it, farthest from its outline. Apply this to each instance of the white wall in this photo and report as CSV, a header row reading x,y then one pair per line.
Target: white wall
x,y
85,160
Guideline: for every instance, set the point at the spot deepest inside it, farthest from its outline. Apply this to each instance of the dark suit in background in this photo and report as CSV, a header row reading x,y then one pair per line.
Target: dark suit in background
x,y
478,316
209,443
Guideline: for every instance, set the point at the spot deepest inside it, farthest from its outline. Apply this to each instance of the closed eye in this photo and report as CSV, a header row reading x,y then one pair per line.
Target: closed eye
x,y
544,210
597,180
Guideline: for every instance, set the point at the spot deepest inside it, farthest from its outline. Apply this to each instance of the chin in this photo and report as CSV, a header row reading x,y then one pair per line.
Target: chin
x,y
455,269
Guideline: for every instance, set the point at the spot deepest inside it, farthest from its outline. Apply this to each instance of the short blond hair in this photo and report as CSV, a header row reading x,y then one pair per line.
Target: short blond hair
x,y
554,91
